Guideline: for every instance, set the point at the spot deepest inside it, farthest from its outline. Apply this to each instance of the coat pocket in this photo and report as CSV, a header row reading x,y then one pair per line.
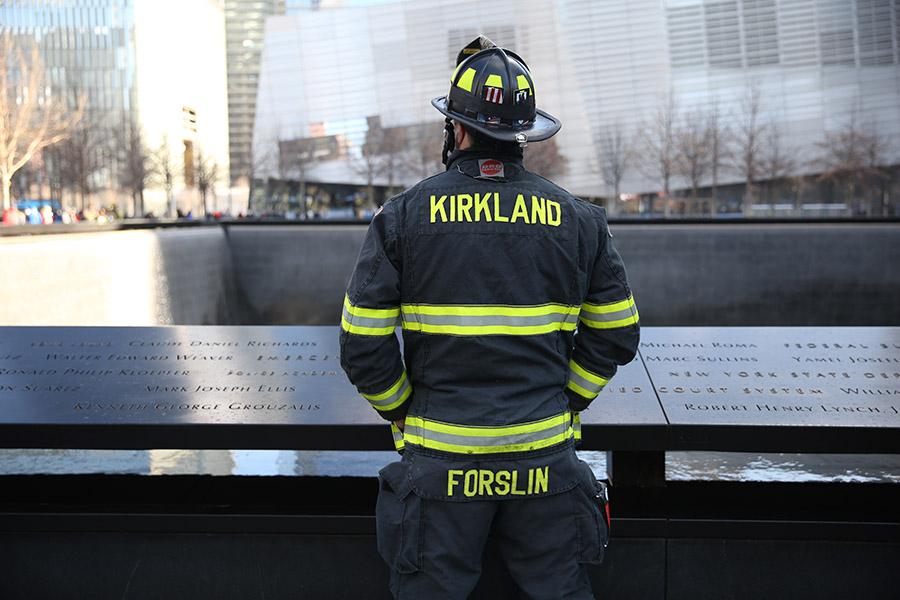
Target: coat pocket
x,y
591,517
398,520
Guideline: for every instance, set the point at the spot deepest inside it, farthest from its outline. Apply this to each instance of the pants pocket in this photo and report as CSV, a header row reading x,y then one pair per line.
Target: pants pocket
x,y
591,518
398,520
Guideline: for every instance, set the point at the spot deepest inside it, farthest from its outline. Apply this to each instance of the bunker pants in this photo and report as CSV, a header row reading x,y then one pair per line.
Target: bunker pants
x,y
434,547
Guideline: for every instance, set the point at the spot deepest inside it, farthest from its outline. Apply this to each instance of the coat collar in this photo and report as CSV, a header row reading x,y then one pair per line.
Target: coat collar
x,y
486,164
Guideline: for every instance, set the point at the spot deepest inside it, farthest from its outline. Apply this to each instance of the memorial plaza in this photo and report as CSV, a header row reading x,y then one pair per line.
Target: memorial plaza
x,y
191,186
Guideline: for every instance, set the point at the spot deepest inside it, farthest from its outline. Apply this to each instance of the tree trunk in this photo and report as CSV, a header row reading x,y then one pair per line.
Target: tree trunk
x,y
7,185
303,198
748,197
667,211
712,191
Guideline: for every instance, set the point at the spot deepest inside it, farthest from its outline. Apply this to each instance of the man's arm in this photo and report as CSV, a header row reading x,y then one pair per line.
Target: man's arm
x,y
370,352
608,328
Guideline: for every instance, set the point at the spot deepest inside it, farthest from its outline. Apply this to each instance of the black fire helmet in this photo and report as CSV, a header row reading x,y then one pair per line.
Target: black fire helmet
x,y
491,91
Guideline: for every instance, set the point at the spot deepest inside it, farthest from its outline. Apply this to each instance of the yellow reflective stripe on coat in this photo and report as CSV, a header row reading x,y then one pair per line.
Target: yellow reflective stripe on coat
x,y
584,382
576,426
489,319
392,397
368,321
473,439
611,315
398,437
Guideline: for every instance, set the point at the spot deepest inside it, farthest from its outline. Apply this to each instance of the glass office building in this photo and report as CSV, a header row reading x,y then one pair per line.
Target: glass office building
x,y
813,65
130,60
244,26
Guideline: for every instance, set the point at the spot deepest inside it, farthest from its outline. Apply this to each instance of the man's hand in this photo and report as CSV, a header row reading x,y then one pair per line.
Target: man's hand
x,y
399,423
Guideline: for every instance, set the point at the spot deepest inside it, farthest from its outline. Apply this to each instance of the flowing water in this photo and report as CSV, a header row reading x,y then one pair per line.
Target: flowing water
x,y
680,466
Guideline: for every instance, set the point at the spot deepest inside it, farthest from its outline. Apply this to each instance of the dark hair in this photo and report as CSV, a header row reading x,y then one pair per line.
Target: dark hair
x,y
482,142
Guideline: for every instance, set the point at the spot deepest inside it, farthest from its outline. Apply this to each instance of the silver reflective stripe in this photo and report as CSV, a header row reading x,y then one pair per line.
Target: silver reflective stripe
x,y
585,383
609,316
486,441
369,321
398,437
488,320
392,398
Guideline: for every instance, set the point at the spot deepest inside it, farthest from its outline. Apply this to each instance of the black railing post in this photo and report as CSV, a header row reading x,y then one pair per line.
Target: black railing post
x,y
627,468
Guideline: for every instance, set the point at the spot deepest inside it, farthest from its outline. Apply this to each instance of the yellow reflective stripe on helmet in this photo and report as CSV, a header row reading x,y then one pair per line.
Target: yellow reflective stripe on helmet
x,y
455,71
489,319
522,82
392,397
611,315
466,439
368,321
494,81
466,79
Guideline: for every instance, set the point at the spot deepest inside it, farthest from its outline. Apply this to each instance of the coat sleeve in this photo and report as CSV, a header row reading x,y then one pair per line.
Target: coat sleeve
x,y
370,351
608,327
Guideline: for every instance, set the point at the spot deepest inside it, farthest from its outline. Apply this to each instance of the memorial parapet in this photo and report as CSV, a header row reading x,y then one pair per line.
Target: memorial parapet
x,y
224,387
806,389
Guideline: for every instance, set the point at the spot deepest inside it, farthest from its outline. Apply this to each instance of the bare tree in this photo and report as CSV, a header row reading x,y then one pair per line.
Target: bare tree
x,y
368,163
853,157
658,146
545,159
295,161
165,169
207,175
31,117
136,166
778,161
263,161
392,151
84,155
616,156
425,159
693,150
719,153
748,139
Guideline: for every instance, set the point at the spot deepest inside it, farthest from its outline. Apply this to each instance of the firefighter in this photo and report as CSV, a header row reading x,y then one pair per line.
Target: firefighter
x,y
515,312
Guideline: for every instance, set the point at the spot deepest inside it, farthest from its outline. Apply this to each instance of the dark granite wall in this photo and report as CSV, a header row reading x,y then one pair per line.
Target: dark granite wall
x,y
721,274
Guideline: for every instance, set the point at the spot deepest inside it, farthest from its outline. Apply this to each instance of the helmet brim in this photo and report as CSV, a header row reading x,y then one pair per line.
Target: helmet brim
x,y
544,126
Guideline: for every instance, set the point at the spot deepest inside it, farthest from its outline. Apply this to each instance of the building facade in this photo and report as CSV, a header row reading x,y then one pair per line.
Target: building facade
x,y
244,26
140,65
606,69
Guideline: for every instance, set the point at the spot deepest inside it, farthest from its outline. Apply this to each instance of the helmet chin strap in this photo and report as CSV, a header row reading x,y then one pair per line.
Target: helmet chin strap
x,y
449,141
